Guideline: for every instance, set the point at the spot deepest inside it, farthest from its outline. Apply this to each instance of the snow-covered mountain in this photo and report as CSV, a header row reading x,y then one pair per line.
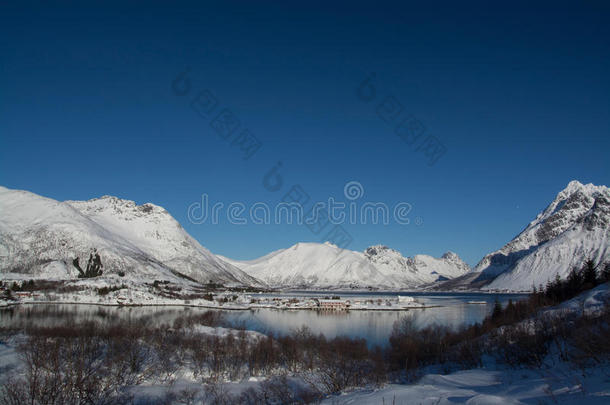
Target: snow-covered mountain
x,y
40,237
416,270
316,265
573,228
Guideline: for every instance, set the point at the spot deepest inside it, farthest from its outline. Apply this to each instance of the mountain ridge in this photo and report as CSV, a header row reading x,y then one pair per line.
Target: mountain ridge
x,y
570,230
323,265
42,235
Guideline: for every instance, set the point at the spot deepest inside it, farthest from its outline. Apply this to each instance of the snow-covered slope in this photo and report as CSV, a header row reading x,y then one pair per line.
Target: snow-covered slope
x,y
573,228
40,237
306,265
416,270
315,265
159,235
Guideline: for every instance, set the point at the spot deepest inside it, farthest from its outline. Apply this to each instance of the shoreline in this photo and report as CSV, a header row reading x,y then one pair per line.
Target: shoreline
x,y
424,292
14,304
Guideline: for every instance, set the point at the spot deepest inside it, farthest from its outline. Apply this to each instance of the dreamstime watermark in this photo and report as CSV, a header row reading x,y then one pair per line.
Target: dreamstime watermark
x,y
319,224
406,126
291,210
227,125
325,220
222,120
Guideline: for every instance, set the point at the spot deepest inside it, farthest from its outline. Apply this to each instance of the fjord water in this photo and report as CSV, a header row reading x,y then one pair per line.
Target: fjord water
x,y
451,309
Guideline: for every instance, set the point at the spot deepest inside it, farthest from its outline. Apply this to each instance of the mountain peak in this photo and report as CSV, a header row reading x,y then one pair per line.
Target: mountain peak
x,y
117,205
327,243
317,265
376,249
570,230
144,241
451,256
576,186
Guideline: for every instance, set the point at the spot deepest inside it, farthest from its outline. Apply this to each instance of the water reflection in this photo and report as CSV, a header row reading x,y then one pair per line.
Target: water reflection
x,y
375,326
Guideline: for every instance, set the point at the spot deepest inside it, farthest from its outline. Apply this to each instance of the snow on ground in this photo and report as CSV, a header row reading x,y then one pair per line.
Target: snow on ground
x,y
558,384
9,359
554,382
224,332
127,291
591,301
484,387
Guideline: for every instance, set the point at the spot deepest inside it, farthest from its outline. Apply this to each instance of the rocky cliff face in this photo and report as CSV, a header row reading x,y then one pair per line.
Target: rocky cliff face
x,y
417,270
572,229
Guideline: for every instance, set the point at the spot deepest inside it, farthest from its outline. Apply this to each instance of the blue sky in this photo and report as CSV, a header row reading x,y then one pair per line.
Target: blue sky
x,y
518,96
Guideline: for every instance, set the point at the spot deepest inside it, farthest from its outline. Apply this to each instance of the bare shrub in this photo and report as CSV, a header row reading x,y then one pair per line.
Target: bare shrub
x,y
343,363
467,354
589,340
13,391
279,390
169,354
69,371
216,393
522,345
187,396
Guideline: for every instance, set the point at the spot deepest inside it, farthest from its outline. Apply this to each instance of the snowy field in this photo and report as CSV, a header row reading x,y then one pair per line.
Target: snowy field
x,y
484,387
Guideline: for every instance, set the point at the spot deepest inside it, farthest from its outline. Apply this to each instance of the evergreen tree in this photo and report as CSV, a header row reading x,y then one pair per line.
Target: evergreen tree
x,y
510,311
575,280
589,273
497,311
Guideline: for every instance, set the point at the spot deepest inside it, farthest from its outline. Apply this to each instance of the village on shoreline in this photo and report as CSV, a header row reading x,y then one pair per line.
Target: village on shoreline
x,y
126,292
229,302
